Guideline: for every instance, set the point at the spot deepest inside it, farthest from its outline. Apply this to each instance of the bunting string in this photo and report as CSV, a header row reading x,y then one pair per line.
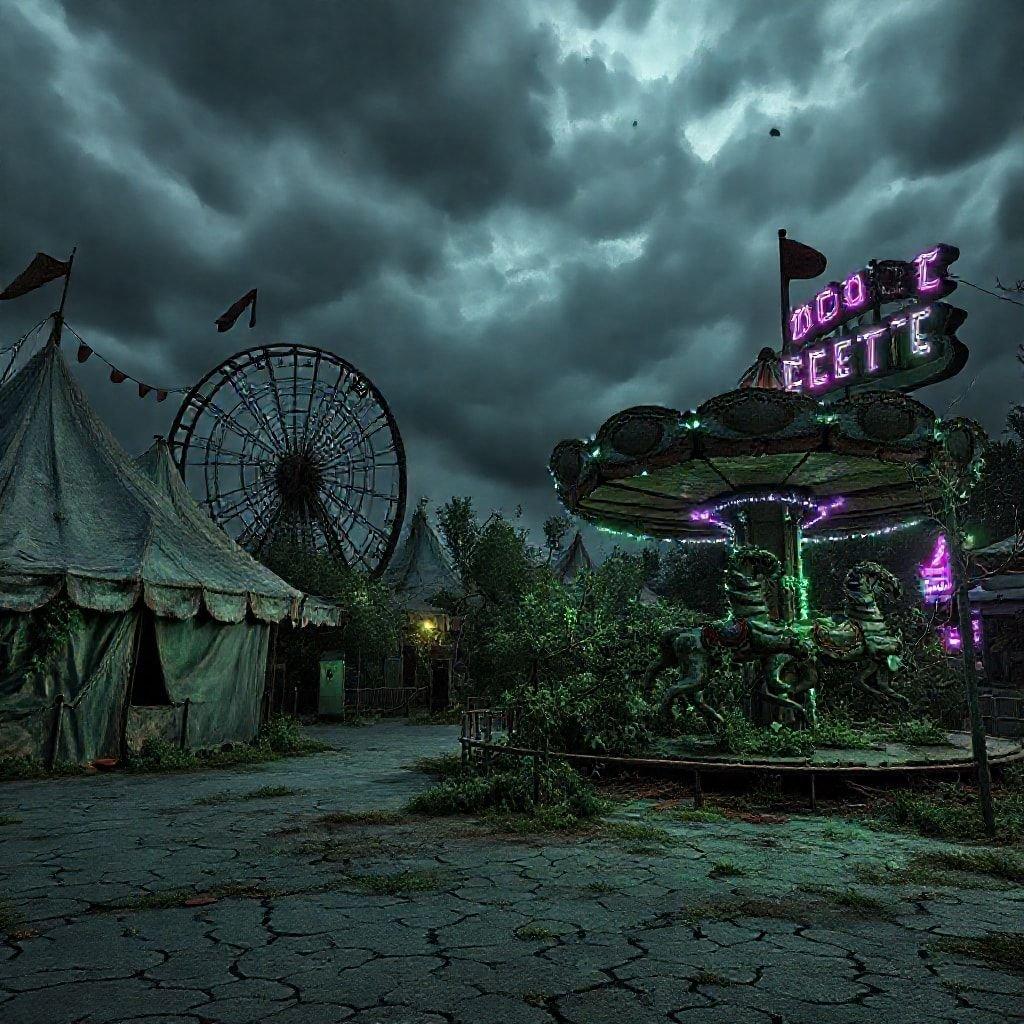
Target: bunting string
x,y
117,375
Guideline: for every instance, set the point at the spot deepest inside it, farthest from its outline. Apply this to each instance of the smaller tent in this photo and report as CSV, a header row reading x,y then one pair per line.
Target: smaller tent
x,y
571,562
421,568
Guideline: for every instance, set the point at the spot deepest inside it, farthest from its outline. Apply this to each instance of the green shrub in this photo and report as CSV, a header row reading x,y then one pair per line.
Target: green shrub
x,y
918,732
739,736
833,731
508,789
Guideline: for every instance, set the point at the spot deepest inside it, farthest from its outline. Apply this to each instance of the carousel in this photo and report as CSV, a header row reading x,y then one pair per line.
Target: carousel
x,y
818,443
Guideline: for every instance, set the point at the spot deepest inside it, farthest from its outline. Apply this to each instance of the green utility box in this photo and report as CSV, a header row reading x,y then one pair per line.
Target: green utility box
x,y
332,683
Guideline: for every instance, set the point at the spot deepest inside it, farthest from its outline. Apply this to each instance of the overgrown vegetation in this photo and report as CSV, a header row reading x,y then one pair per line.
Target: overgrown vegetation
x,y
508,789
373,622
1005,949
950,811
262,793
281,737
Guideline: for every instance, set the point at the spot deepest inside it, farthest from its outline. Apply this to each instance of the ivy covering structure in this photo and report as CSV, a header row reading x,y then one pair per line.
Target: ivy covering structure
x,y
116,590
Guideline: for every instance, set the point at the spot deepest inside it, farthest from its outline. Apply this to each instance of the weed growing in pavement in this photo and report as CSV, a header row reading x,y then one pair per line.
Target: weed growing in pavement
x,y
1006,949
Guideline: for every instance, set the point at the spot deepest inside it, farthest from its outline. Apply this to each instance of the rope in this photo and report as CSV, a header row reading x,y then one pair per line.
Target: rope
x,y
995,295
15,349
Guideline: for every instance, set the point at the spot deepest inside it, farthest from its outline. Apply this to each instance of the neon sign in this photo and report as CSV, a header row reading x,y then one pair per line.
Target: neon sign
x,y
916,345
925,278
937,573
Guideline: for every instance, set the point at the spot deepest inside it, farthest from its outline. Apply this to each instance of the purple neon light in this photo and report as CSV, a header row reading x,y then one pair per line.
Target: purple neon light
x,y
925,281
800,323
937,573
826,305
855,292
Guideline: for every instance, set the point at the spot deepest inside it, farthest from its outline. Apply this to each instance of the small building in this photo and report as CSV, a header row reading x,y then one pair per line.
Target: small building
x,y
998,601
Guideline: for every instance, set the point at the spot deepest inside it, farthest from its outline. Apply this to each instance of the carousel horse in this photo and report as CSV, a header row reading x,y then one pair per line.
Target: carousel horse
x,y
865,636
749,634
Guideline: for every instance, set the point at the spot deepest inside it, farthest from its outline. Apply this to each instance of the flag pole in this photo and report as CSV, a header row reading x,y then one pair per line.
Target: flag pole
x,y
783,288
67,281
58,317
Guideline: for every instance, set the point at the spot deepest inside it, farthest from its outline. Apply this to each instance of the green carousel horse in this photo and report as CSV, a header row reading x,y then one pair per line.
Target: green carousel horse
x,y
865,637
749,634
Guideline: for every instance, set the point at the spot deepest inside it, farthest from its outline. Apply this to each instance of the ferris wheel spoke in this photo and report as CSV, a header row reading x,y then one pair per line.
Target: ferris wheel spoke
x,y
252,405
277,397
245,538
312,392
229,422
353,513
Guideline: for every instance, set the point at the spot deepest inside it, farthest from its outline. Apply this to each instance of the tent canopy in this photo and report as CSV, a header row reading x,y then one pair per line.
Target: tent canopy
x,y
421,568
76,512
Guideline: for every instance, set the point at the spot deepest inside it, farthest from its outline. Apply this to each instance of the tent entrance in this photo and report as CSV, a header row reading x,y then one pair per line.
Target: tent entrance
x,y
149,688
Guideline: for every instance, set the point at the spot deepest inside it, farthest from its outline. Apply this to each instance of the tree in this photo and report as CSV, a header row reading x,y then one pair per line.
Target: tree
x,y
555,529
372,625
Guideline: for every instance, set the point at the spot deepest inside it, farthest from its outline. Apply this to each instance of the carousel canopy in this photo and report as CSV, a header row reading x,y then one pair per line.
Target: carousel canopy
x,y
421,568
657,471
77,513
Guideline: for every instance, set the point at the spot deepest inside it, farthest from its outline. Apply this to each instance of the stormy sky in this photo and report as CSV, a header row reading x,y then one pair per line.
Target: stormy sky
x,y
515,217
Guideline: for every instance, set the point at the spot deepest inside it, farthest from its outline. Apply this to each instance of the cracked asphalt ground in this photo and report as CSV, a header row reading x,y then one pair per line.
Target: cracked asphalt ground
x,y
424,922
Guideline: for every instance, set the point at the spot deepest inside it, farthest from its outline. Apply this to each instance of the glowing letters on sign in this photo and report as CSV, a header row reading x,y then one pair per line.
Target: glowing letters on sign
x,y
826,305
937,573
918,346
841,358
800,323
926,277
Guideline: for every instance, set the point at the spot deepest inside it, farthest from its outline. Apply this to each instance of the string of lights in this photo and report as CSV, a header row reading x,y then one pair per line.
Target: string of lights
x,y
882,531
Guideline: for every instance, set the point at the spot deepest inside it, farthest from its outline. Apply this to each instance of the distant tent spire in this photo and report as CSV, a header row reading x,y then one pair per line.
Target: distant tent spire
x,y
573,560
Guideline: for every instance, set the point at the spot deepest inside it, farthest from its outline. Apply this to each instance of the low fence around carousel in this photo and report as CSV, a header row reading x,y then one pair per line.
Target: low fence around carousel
x,y
483,728
384,699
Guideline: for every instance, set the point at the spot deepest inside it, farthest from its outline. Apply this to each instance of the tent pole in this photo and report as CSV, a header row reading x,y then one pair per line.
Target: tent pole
x,y
130,692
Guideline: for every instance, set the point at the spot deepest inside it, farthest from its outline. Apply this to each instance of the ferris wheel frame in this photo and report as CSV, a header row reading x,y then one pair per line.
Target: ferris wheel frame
x,y
289,460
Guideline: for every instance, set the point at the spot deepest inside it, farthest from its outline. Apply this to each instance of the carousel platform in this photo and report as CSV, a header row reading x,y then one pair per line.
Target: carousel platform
x,y
696,754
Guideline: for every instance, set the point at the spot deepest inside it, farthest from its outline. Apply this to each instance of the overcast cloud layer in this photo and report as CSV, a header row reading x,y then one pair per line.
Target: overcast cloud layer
x,y
454,195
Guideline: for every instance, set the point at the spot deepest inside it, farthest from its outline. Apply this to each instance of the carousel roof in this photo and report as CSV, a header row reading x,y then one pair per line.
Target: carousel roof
x,y
422,568
653,470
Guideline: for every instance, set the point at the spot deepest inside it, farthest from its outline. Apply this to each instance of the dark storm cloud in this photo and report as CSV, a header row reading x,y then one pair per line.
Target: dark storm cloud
x,y
455,197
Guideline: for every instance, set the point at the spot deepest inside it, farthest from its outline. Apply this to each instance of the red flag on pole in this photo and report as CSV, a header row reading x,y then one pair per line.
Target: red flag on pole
x,y
40,271
227,319
799,262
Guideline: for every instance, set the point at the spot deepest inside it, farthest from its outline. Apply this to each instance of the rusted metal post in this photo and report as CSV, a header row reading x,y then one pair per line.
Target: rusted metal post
x,y
814,795
536,779
295,702
463,738
698,792
183,738
487,736
58,721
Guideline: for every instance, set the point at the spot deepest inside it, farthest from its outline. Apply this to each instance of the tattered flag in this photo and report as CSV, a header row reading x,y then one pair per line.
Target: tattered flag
x,y
40,271
144,389
227,319
116,376
160,395
799,262
83,352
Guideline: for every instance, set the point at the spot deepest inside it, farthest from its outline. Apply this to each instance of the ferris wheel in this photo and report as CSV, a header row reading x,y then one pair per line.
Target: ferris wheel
x,y
292,442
